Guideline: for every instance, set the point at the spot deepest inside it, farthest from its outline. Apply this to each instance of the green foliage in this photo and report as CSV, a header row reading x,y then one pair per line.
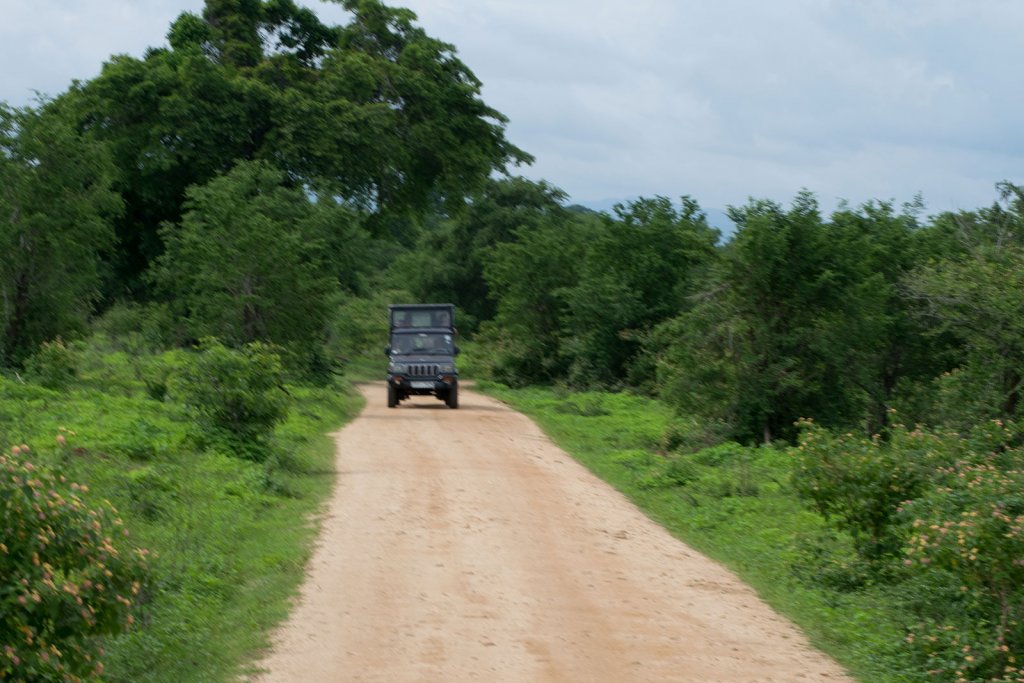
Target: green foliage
x,y
827,559
978,299
637,270
722,454
55,213
54,365
971,526
374,112
952,508
527,277
800,317
359,326
236,396
584,405
229,536
245,264
140,328
576,293
861,483
670,472
65,579
448,262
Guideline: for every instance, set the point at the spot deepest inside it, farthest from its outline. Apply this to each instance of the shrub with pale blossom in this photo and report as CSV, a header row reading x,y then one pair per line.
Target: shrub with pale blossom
x,y
859,483
972,527
64,579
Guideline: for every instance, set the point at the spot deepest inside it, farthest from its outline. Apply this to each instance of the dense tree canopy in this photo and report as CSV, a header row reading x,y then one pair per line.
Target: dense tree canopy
x,y
448,262
841,318
248,261
376,113
976,295
637,269
55,211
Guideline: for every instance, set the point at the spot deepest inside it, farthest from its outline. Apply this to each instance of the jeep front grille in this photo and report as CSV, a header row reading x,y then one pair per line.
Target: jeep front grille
x,y
424,370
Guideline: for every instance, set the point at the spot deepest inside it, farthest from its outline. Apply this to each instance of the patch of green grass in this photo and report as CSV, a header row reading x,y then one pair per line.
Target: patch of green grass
x,y
732,503
232,536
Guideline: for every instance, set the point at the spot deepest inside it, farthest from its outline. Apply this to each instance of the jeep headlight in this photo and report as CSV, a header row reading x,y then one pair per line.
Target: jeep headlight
x,y
447,368
397,368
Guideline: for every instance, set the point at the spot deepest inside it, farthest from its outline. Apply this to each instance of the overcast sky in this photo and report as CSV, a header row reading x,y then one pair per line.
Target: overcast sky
x,y
725,100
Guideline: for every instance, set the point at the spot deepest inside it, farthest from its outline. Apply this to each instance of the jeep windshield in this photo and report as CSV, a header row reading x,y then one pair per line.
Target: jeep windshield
x,y
422,343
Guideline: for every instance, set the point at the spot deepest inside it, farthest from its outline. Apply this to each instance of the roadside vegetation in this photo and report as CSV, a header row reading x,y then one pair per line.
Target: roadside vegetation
x,y
830,403
205,527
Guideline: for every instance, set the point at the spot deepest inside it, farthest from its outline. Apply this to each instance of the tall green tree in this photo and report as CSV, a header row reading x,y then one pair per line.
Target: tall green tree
x,y
449,259
976,294
56,208
805,317
375,112
528,277
758,339
638,269
879,349
247,261
576,292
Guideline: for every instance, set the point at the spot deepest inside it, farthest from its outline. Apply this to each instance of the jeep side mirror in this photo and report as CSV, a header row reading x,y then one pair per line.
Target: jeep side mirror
x,y
456,350
387,350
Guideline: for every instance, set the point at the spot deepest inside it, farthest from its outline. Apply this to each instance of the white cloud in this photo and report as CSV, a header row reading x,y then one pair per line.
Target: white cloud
x,y
853,99
45,44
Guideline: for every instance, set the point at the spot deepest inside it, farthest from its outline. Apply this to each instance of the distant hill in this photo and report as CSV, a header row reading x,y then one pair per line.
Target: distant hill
x,y
717,218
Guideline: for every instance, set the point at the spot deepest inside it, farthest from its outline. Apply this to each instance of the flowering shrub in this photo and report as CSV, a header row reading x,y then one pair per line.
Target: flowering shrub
x,y
971,525
860,483
954,507
63,581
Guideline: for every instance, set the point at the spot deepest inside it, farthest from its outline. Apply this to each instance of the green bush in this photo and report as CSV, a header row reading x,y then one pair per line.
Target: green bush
x,y
55,365
824,558
236,395
360,326
636,460
63,580
676,471
859,484
954,507
971,527
157,372
139,328
149,490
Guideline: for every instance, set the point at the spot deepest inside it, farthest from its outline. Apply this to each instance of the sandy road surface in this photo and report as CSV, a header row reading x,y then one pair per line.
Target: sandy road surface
x,y
461,545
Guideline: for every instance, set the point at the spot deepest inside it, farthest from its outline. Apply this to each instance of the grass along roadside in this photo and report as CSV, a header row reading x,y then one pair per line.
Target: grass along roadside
x,y
734,504
231,535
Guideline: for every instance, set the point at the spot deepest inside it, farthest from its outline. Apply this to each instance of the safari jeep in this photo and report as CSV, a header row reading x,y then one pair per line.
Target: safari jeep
x,y
421,353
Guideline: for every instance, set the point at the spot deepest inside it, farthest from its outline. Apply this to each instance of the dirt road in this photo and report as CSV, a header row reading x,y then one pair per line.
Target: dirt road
x,y
461,545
